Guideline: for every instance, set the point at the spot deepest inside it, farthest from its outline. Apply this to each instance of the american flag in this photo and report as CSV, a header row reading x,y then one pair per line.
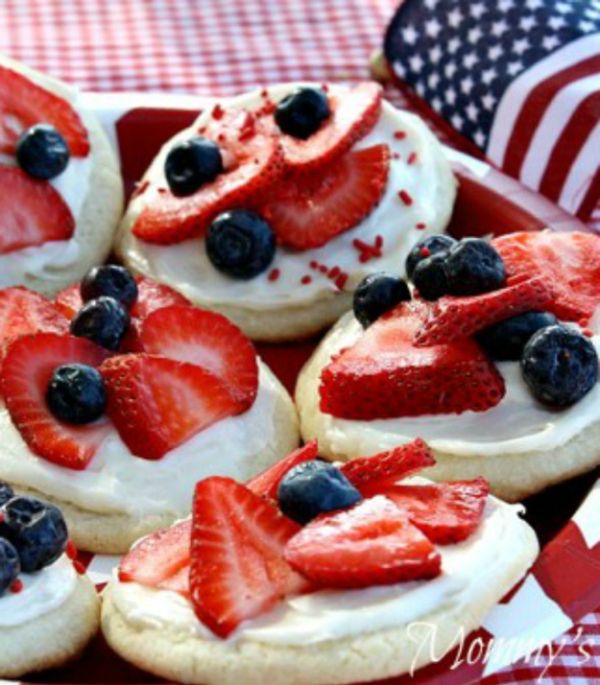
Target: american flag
x,y
519,78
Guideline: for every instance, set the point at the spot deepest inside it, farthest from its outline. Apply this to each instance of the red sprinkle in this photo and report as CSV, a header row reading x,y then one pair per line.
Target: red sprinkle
x,y
334,272
79,567
274,274
161,191
325,87
264,93
313,264
420,225
323,269
340,281
425,252
217,112
71,550
400,135
368,252
405,197
588,333
16,586
305,280
140,188
412,158
396,155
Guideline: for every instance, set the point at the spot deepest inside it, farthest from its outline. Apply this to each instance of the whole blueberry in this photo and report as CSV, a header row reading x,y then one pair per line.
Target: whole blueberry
x,y
191,164
10,566
429,276
42,152
6,492
376,294
111,280
301,113
313,488
36,529
473,266
505,341
76,394
559,365
103,321
434,244
240,243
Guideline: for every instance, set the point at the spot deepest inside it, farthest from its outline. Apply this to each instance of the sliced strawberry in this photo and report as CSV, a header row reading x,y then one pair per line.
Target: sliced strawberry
x,y
253,160
26,372
383,375
32,212
453,318
207,339
23,312
371,544
69,301
179,582
24,103
445,512
266,483
308,210
372,475
569,262
238,571
353,115
157,403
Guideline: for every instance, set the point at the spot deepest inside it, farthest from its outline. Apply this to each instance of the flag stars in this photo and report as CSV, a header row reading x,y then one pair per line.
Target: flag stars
x,y
550,42
437,104
450,96
472,112
534,4
410,35
466,85
494,52
453,45
433,27
488,75
527,23
563,7
587,26
450,69
431,4
556,22
479,138
457,121
514,68
499,27
477,10
420,88
488,101
416,63
505,5
433,80
435,54
474,35
470,60
521,45
455,17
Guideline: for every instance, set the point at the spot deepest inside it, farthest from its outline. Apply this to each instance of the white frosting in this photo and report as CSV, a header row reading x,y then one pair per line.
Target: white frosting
x,y
517,424
117,481
475,563
42,592
187,267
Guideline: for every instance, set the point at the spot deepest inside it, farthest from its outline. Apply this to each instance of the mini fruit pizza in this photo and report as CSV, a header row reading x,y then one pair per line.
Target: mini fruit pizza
x,y
273,205
62,193
314,573
492,358
119,395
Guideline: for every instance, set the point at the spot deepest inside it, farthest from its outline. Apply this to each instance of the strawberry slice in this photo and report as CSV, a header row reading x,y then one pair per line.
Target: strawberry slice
x,y
157,403
383,375
372,475
23,312
26,372
24,103
238,571
308,210
32,212
266,484
353,115
179,582
253,160
69,301
445,512
207,339
453,318
371,544
570,262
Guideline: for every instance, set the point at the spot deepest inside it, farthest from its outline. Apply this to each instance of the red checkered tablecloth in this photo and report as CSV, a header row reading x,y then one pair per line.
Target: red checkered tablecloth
x,y
221,47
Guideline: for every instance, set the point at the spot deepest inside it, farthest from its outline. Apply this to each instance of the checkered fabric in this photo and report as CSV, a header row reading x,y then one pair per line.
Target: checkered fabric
x,y
221,47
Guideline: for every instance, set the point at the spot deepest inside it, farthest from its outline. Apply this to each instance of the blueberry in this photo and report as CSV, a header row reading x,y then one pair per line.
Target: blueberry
x,y
6,492
191,164
42,152
376,294
36,529
506,340
559,365
110,280
10,566
313,488
472,267
76,394
302,112
103,321
429,276
425,248
240,243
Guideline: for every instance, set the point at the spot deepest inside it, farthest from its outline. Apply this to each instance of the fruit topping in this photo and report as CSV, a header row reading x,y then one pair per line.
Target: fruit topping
x,y
32,211
383,375
6,492
27,369
266,484
370,544
301,113
207,339
445,512
10,566
434,244
506,340
452,318
237,568
377,294
153,296
315,487
42,152
429,276
158,403
308,210
24,103
110,280
191,164
253,160
559,365
568,261
76,394
104,321
473,266
240,244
